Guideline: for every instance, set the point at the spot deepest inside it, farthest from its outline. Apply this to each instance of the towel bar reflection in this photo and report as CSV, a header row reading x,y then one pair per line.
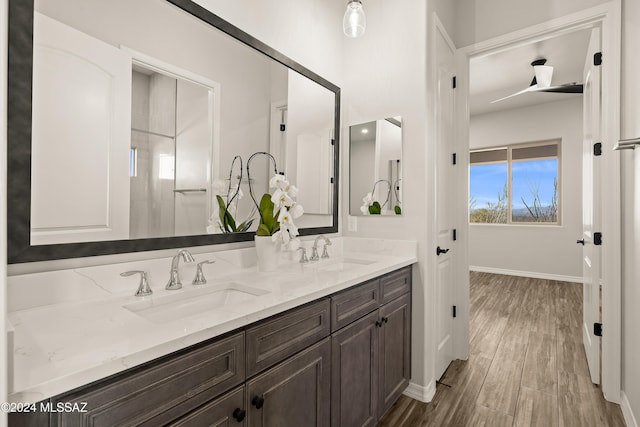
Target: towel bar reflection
x,y
190,190
627,144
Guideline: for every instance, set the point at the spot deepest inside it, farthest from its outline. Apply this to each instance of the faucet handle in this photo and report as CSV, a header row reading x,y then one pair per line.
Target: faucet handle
x,y
200,279
325,254
143,286
303,257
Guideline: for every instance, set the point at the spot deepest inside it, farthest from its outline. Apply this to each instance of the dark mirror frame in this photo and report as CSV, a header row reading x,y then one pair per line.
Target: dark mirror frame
x,y
20,63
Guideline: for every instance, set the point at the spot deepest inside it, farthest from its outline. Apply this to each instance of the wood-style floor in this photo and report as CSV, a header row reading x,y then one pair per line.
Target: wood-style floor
x,y
527,365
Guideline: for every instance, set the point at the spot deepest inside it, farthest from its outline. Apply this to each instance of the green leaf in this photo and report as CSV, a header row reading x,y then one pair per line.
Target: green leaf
x,y
263,230
267,217
226,219
245,225
397,209
375,208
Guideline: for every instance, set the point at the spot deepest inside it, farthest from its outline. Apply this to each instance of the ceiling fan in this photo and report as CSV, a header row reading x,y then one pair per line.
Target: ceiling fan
x,y
542,82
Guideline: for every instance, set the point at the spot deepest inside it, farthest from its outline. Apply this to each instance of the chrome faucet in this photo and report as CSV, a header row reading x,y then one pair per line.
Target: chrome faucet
x,y
314,249
143,286
200,279
174,279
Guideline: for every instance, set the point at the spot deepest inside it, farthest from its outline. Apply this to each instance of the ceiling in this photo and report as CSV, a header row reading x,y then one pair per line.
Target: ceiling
x,y
503,73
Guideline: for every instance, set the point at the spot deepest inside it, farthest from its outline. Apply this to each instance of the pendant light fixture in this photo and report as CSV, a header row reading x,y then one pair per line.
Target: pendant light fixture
x,y
354,21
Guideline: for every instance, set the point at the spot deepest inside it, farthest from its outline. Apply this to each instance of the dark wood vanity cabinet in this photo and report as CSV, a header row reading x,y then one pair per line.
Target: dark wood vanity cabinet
x,y
161,391
395,351
339,361
371,357
294,393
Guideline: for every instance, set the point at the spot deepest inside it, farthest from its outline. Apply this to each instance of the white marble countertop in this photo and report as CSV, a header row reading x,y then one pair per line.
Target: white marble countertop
x,y
79,331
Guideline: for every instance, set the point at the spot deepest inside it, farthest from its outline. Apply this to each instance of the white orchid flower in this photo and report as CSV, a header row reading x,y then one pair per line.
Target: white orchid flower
x,y
282,236
219,186
291,190
368,199
278,181
296,210
240,193
214,227
280,199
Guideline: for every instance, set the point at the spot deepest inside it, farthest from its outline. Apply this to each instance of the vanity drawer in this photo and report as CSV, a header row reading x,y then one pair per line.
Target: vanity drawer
x,y
352,304
274,340
160,393
395,284
226,410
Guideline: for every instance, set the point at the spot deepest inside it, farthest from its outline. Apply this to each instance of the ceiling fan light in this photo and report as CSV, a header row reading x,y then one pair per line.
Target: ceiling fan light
x,y
543,75
354,21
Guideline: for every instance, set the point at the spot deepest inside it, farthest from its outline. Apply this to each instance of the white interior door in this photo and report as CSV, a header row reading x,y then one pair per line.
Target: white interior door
x,y
81,128
445,203
591,208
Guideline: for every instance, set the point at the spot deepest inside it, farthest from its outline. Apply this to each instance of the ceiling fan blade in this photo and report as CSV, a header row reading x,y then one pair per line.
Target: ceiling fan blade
x,y
529,89
563,88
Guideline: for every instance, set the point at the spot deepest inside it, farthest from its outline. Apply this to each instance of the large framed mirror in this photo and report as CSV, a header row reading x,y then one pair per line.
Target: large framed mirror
x,y
375,167
125,118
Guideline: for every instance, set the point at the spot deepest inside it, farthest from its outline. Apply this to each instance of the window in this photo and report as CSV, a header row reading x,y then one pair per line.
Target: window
x,y
515,184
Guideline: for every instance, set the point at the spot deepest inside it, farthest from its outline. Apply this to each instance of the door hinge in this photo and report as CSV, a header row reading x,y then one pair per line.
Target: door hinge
x,y
597,329
333,142
454,158
331,181
597,149
597,239
454,311
283,127
455,234
454,82
597,58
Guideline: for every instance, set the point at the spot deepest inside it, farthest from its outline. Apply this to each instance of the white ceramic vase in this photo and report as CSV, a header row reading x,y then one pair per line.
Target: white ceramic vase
x,y
268,253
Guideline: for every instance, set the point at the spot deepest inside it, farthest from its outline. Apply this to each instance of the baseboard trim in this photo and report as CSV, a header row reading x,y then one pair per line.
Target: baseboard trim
x,y
532,274
629,417
418,392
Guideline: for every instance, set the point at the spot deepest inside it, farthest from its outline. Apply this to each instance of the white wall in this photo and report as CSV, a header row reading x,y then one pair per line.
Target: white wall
x,y
540,249
630,128
482,20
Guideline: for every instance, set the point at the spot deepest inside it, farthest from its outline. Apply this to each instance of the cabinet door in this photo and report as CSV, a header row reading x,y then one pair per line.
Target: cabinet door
x,y
226,411
354,373
395,351
295,393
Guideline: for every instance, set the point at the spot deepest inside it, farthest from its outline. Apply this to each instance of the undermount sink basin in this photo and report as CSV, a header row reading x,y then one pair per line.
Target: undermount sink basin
x,y
195,301
342,264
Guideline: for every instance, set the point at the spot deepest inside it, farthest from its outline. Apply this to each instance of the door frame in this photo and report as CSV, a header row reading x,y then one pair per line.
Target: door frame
x,y
608,17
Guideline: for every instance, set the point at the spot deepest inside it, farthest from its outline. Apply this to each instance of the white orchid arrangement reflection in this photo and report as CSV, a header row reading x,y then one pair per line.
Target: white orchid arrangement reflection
x,y
278,210
228,195
370,206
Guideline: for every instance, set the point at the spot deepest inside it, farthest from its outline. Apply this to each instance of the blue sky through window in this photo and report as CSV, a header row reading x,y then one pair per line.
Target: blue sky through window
x,y
486,181
530,176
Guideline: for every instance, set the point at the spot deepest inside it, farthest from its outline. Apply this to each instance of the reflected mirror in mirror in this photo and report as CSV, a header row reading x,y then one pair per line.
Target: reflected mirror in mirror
x,y
135,125
375,167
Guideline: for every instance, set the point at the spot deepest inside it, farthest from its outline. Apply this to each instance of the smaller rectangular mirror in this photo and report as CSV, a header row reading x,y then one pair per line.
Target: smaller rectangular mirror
x,y
375,167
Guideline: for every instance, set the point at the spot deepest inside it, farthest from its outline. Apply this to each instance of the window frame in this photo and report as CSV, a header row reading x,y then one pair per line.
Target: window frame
x,y
509,160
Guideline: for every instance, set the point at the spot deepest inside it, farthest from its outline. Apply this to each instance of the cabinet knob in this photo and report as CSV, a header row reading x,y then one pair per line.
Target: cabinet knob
x,y
378,324
239,414
257,402
385,319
